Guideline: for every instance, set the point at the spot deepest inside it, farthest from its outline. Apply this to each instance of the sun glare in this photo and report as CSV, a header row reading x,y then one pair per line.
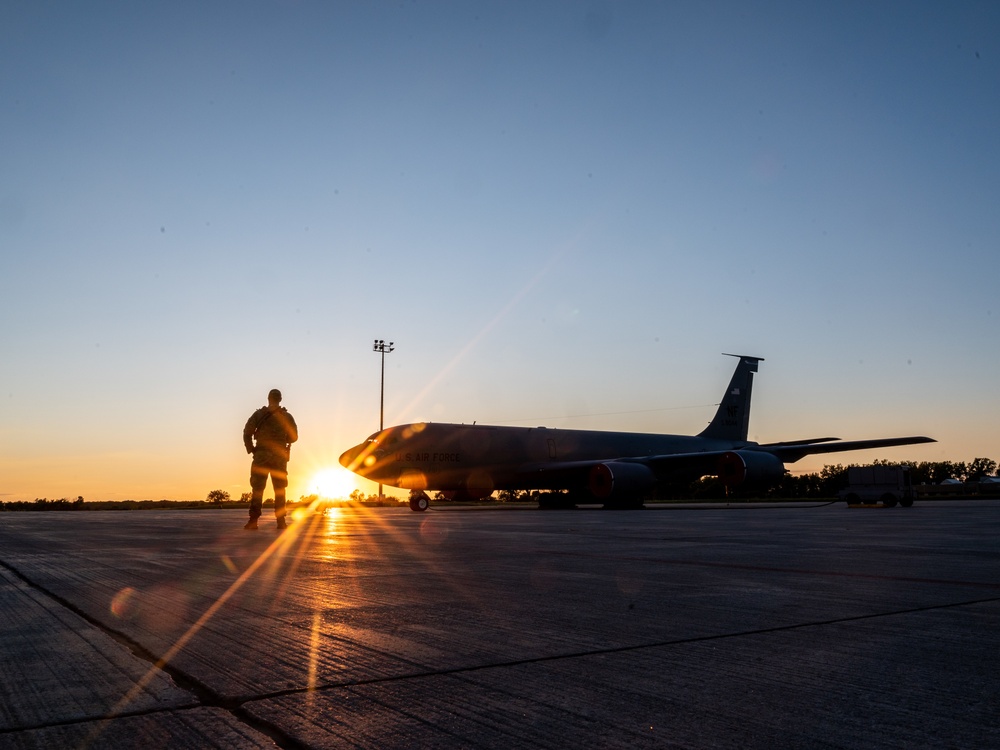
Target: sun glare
x,y
333,483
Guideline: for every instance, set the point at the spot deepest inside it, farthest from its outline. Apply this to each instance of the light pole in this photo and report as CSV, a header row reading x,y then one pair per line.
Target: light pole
x,y
382,348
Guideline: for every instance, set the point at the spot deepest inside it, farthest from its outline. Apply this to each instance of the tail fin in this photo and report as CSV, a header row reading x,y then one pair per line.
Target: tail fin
x,y
732,420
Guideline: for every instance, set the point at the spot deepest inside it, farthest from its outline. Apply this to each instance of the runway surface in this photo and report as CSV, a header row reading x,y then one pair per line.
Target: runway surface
x,y
741,627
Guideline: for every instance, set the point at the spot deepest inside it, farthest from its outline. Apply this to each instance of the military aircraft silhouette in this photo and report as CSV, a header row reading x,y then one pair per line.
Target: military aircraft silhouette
x,y
614,468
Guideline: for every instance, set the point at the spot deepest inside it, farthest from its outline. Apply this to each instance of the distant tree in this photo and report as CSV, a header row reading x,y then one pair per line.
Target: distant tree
x,y
245,497
834,476
920,472
218,497
979,468
938,471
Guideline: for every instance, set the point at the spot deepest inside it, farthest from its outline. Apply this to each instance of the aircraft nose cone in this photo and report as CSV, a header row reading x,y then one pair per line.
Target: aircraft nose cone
x,y
348,457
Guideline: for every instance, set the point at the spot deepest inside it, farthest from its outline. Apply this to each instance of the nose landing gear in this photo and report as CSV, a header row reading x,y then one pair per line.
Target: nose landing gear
x,y
419,502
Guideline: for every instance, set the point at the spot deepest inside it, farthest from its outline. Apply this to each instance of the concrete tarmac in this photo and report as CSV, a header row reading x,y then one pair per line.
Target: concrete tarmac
x,y
727,627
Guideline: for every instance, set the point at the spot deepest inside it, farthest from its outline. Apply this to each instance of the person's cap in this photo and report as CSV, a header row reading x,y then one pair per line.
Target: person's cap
x,y
274,395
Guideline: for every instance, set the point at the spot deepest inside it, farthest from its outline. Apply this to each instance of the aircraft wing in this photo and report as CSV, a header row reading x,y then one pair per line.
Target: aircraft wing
x,y
793,451
689,466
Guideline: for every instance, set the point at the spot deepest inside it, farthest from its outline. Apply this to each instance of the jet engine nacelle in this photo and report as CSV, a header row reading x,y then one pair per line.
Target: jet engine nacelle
x,y
617,479
750,467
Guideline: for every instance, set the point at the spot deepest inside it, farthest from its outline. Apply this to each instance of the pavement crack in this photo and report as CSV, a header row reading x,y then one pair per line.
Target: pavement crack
x,y
610,650
204,695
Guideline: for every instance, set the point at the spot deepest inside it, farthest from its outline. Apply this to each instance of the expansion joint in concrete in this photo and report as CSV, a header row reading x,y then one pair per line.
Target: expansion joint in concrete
x,y
204,695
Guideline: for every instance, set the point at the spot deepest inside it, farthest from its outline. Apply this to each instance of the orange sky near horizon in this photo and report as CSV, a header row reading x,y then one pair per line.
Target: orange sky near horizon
x,y
314,469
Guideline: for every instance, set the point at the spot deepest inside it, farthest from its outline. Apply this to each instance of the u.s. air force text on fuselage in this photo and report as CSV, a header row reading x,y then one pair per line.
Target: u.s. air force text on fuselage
x,y
428,457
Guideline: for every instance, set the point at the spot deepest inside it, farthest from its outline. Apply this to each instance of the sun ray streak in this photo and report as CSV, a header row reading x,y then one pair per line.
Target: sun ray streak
x,y
306,536
314,641
503,312
303,534
206,616
413,545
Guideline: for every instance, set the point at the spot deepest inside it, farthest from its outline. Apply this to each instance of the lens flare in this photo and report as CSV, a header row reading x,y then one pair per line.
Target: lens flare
x,y
124,604
434,530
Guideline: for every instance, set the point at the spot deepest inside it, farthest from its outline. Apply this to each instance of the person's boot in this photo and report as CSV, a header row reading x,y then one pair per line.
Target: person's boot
x,y
282,524
251,525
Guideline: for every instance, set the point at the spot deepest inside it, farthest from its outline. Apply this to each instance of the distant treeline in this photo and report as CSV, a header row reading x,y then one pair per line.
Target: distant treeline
x,y
833,478
823,485
826,484
43,503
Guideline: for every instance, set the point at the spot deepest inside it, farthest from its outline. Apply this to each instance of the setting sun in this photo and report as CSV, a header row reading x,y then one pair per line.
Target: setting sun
x,y
333,483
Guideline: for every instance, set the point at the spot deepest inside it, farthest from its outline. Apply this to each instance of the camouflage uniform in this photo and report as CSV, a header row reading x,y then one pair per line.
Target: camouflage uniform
x,y
274,430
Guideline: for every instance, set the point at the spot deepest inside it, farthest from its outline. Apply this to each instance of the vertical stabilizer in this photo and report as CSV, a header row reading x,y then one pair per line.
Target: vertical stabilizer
x,y
732,420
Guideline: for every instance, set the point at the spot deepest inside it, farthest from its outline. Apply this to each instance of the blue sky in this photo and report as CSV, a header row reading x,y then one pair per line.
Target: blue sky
x,y
561,212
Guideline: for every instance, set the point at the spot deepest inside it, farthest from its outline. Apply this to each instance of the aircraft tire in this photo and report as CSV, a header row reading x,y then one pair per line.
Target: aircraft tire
x,y
852,499
906,502
889,500
420,503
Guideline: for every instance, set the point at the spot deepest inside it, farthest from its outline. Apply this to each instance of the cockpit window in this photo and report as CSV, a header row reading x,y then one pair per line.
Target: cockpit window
x,y
382,438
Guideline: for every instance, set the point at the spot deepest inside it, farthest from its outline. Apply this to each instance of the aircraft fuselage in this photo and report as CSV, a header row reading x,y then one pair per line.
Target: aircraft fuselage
x,y
479,459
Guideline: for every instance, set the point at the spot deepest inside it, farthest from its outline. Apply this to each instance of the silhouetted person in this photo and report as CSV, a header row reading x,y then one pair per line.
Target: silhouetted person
x,y
269,434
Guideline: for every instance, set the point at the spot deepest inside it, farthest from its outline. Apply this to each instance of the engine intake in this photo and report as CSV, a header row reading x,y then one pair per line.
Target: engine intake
x,y
749,467
617,479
